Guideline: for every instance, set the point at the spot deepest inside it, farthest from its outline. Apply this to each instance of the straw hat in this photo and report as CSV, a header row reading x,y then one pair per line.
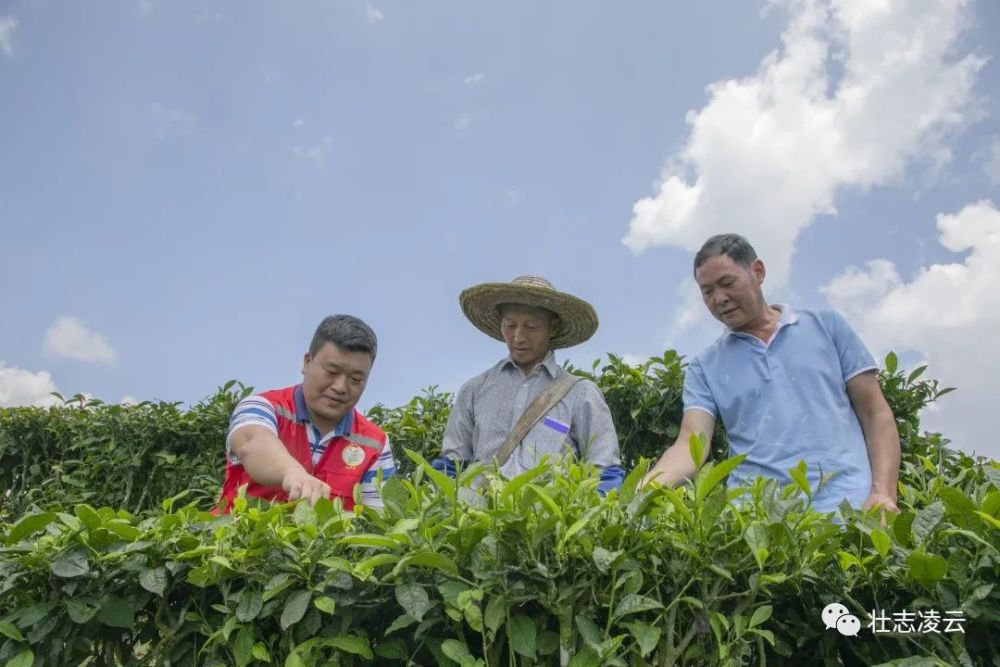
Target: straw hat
x,y
481,304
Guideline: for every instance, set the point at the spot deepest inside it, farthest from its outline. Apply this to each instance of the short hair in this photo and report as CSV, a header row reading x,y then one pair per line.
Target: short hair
x,y
346,332
736,247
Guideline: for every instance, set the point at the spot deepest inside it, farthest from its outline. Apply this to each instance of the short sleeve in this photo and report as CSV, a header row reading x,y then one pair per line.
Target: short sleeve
x,y
251,411
696,394
384,467
854,356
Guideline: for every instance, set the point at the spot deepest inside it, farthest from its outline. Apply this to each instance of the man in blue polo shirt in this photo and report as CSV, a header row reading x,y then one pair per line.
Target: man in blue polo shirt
x,y
789,385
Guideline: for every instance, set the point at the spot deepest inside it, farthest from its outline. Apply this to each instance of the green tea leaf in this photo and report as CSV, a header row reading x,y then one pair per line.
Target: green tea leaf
x,y
378,541
798,475
891,362
926,568
25,658
250,604
393,649
926,521
991,504
426,558
959,506
586,657
116,612
634,604
295,608
242,645
88,516
11,631
696,445
646,636
81,610
522,635
402,621
154,580
495,613
603,559
760,615
880,541
71,564
756,538
413,599
352,644
28,525
259,652
458,652
716,473
325,604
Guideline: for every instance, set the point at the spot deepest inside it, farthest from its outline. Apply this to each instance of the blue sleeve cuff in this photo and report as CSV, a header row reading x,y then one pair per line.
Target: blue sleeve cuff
x,y
611,478
447,466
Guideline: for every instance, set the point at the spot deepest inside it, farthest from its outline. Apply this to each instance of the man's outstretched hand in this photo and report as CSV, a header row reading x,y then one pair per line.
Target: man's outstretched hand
x,y
300,484
883,500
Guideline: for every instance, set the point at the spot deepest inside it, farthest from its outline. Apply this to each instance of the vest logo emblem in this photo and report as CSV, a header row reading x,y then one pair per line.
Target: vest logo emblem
x,y
353,456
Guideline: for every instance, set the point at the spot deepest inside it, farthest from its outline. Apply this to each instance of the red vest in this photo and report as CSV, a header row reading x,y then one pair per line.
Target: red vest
x,y
332,467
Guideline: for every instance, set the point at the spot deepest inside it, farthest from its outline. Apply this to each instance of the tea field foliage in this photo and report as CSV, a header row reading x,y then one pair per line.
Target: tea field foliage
x,y
108,555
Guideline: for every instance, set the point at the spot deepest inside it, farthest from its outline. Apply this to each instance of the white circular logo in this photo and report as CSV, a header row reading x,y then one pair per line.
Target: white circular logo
x,y
353,456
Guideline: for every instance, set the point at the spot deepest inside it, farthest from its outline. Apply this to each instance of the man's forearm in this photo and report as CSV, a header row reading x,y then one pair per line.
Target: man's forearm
x,y
882,440
267,461
674,466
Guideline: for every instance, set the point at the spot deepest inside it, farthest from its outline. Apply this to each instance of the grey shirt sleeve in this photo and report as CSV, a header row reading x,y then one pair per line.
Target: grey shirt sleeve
x,y
457,443
592,429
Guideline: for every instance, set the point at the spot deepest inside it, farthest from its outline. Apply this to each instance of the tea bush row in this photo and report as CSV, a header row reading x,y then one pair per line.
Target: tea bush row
x,y
131,457
537,570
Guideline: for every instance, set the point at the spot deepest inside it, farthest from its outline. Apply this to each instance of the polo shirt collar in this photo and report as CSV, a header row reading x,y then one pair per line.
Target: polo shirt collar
x,y
343,427
788,316
548,363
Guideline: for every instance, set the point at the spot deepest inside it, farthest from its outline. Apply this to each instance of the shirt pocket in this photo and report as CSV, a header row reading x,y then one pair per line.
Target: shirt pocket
x,y
550,436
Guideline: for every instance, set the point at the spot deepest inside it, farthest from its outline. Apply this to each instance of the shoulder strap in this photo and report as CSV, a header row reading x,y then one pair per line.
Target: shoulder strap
x,y
539,407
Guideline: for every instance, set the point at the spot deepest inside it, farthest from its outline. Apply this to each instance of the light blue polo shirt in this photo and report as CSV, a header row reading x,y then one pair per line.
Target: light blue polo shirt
x,y
787,400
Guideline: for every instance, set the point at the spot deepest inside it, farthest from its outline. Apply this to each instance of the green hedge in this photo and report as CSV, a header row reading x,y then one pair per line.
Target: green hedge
x,y
131,457
453,573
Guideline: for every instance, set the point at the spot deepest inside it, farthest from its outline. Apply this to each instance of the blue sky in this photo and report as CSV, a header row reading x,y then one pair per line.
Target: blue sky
x,y
187,188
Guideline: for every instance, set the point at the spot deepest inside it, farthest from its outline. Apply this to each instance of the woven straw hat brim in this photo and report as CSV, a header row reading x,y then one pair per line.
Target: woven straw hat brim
x,y
481,304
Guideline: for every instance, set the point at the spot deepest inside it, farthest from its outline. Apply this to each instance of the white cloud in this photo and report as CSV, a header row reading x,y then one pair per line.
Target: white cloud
x,y
21,387
170,122
992,164
69,338
857,92
478,77
298,122
949,314
855,292
463,122
129,399
373,14
7,26
317,153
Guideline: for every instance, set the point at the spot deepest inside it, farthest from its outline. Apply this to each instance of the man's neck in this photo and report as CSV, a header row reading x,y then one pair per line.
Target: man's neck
x,y
322,425
764,326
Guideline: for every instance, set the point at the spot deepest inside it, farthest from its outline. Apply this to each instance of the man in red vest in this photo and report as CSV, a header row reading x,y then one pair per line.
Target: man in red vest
x,y
308,440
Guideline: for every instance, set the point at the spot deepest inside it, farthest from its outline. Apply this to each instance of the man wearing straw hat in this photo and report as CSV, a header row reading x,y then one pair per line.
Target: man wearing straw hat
x,y
526,405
